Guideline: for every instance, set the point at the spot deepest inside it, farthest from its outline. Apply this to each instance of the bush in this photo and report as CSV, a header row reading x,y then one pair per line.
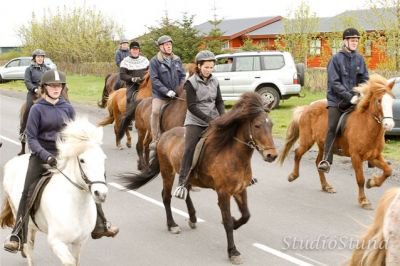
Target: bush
x,y
97,69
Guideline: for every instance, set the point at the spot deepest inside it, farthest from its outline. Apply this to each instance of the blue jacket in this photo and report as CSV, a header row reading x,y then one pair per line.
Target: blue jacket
x,y
165,75
45,121
33,75
345,71
120,55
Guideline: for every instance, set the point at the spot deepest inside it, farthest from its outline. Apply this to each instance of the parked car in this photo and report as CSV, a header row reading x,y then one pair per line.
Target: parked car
x,y
396,109
272,74
15,68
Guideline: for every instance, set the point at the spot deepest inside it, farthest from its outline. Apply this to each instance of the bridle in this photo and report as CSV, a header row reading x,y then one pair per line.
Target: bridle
x,y
379,119
252,144
84,178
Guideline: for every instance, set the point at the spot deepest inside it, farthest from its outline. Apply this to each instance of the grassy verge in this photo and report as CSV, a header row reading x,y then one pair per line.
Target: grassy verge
x,y
88,90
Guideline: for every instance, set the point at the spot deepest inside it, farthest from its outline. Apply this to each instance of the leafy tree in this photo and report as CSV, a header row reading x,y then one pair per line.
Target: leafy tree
x,y
72,35
213,41
248,45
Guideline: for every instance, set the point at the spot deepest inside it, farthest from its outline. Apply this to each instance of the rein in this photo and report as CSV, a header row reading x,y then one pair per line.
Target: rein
x,y
84,178
252,143
378,118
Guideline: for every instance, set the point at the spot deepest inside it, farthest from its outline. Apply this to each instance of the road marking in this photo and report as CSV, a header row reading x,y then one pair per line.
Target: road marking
x,y
155,202
281,255
310,259
10,140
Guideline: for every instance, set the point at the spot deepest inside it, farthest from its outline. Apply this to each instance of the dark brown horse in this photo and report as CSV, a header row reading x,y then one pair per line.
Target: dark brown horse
x,y
173,115
362,139
380,245
116,105
22,138
231,138
109,86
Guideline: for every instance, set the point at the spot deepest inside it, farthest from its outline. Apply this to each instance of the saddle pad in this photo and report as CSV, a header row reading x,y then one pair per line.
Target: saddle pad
x,y
197,152
36,195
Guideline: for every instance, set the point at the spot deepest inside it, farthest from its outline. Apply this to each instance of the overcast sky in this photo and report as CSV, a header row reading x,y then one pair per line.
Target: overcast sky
x,y
135,15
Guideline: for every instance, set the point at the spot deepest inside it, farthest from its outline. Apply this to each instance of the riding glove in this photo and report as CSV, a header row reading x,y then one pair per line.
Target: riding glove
x,y
171,94
52,161
355,99
136,79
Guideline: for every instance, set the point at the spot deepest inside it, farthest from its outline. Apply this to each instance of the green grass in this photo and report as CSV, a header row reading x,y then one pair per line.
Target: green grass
x,y
88,90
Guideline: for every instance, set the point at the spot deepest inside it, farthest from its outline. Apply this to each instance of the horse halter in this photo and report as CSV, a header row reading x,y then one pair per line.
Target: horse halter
x,y
84,178
252,144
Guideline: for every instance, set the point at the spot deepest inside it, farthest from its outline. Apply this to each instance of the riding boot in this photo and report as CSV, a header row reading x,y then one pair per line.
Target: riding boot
x,y
103,228
325,165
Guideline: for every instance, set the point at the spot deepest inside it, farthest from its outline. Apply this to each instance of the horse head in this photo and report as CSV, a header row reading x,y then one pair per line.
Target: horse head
x,y
377,99
79,148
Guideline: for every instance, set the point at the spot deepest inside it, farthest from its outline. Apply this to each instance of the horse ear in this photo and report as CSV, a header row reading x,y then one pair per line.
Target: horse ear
x,y
391,83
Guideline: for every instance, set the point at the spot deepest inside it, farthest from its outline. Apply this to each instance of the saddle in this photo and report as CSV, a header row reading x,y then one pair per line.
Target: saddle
x,y
35,195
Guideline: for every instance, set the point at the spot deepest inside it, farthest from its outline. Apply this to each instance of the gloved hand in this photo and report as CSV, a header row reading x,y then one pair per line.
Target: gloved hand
x,y
136,79
355,99
52,161
171,94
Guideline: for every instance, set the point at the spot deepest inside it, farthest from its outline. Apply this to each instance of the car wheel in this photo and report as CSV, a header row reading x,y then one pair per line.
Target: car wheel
x,y
271,95
1,79
300,68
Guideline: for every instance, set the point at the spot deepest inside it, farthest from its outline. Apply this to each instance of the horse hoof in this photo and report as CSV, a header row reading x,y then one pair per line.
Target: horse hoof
x,y
174,230
236,260
119,147
366,205
192,225
292,177
369,183
129,145
329,189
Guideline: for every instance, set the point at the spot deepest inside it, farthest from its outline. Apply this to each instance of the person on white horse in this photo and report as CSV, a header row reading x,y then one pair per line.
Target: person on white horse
x,y
46,119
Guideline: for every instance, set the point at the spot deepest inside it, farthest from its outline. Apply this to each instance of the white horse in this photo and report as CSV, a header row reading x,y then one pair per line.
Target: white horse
x,y
67,212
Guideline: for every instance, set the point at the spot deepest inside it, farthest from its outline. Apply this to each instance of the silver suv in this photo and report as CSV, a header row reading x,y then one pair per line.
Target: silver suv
x,y
272,74
15,68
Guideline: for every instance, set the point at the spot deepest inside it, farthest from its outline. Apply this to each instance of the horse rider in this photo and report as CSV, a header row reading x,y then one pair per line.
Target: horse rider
x,y
32,77
204,103
46,119
346,70
120,54
132,70
166,74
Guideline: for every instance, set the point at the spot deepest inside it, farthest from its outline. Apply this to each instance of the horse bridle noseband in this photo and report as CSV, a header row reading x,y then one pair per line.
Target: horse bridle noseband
x,y
84,178
252,144
378,118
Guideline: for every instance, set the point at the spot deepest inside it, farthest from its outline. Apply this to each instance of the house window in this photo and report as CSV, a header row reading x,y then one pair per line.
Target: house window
x,y
368,48
225,45
315,47
336,45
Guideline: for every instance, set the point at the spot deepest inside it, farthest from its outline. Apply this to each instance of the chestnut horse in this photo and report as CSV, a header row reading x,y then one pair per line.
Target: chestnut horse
x,y
232,138
22,139
109,86
362,139
116,105
380,245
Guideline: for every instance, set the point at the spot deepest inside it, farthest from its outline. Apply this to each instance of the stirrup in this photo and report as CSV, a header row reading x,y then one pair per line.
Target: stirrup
x,y
18,241
324,166
181,192
253,181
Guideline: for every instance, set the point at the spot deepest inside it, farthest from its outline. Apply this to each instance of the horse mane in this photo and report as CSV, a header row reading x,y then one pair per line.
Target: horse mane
x,y
77,136
223,129
375,87
146,80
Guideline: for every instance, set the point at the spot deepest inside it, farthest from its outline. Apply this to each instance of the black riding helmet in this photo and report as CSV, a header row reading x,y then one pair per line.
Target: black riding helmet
x,y
351,33
53,77
134,44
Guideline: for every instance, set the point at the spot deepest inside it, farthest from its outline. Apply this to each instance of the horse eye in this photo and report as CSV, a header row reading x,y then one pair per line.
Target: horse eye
x,y
81,160
257,126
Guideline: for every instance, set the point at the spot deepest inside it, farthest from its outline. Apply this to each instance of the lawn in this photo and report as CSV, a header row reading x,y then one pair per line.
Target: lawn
x,y
88,89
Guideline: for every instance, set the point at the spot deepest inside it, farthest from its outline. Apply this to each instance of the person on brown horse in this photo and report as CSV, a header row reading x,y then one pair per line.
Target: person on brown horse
x,y
33,74
120,54
132,70
204,102
346,70
46,119
167,74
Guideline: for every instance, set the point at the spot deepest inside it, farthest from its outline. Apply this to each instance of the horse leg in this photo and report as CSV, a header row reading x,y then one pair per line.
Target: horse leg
x,y
27,251
377,181
324,184
117,141
76,251
298,154
357,166
225,207
391,232
168,180
191,210
241,201
141,165
22,151
62,252
128,138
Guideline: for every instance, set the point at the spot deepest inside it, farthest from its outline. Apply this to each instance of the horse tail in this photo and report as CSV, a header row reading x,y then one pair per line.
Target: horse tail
x,y
126,119
110,118
138,180
371,249
6,216
104,96
292,134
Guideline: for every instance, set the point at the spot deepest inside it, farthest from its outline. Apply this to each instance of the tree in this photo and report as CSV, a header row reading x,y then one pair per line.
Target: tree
x,y
213,41
300,30
72,35
248,45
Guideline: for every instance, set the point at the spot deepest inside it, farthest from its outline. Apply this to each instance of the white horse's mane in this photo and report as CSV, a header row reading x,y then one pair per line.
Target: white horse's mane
x,y
78,136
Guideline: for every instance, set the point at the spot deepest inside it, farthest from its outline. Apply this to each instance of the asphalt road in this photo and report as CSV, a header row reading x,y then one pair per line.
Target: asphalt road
x,y
291,223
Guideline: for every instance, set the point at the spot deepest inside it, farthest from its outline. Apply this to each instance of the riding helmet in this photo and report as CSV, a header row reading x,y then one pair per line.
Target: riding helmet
x,y
164,39
204,55
53,77
351,33
38,52
134,44
123,41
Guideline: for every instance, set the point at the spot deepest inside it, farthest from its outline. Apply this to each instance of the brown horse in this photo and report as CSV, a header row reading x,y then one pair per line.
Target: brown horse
x,y
116,105
231,138
380,245
109,86
361,140
173,115
22,138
